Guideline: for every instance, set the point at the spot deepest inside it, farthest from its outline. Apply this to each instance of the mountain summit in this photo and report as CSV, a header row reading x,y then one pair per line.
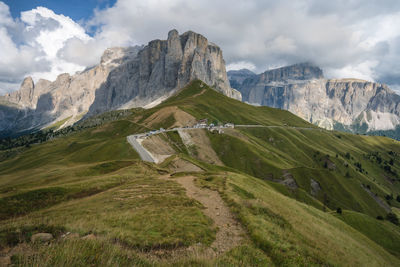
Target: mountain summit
x,y
162,67
350,104
139,76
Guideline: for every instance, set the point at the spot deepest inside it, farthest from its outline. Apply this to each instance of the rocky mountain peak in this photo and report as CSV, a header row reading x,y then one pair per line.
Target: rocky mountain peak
x,y
24,95
241,72
329,103
162,67
126,77
63,78
237,77
42,82
173,34
301,71
191,40
27,84
114,56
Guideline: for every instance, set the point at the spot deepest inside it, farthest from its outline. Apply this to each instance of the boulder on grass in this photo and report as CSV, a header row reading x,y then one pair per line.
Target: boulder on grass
x,y
41,237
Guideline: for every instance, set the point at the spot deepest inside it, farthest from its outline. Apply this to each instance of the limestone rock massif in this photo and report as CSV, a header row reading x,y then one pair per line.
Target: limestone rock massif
x,y
126,77
237,77
162,67
35,106
350,104
143,76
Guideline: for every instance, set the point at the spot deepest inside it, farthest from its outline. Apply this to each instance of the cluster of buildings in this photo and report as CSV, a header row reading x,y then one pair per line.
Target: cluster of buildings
x,y
204,124
201,124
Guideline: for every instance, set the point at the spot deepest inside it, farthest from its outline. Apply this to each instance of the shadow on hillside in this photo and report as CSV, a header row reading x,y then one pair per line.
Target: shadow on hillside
x,y
18,121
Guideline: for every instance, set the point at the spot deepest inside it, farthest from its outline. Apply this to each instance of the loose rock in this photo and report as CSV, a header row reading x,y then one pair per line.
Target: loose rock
x,y
41,237
89,237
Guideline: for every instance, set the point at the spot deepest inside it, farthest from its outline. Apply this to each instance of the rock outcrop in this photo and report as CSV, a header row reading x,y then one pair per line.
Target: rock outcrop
x,y
35,106
125,78
330,103
29,93
237,77
161,68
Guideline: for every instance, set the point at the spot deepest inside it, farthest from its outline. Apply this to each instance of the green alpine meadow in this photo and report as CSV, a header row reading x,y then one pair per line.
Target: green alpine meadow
x,y
286,192
199,133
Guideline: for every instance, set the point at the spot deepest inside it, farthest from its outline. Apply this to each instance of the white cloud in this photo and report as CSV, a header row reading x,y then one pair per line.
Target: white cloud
x,y
354,38
30,45
396,88
265,33
5,17
80,52
241,65
346,38
362,71
15,61
51,40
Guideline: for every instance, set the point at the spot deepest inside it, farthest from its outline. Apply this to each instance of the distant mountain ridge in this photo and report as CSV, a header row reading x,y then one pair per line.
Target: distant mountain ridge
x,y
237,77
125,78
345,104
162,67
143,76
35,106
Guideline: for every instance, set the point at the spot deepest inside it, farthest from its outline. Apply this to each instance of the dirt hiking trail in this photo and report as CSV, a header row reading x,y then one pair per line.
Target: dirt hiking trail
x,y
229,231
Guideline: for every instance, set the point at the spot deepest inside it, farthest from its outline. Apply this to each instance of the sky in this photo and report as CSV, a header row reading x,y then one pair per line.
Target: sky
x,y
346,38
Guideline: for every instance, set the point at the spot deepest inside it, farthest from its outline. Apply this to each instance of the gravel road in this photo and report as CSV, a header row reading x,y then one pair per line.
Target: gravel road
x,y
143,153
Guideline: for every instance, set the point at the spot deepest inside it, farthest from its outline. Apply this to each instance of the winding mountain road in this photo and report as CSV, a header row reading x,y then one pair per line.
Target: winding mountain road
x,y
146,155
143,153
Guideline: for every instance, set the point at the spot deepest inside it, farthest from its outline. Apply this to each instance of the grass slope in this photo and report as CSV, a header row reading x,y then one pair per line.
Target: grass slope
x,y
267,152
92,181
383,233
57,124
201,101
295,234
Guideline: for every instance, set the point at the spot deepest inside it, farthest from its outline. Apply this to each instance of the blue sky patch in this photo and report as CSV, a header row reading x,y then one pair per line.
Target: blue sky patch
x,y
77,10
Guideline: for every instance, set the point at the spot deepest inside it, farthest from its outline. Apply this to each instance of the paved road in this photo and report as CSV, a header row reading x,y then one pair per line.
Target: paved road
x,y
250,126
143,153
276,126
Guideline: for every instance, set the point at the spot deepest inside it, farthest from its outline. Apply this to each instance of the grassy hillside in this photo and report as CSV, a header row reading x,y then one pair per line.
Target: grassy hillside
x,y
121,211
292,233
202,102
383,233
299,148
267,153
57,124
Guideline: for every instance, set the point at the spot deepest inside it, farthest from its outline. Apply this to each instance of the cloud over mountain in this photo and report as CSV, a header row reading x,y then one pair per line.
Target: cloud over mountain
x,y
30,45
346,38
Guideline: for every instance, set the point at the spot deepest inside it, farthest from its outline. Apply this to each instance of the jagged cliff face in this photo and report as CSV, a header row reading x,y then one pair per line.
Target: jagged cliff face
x,y
69,97
125,78
301,89
237,77
162,67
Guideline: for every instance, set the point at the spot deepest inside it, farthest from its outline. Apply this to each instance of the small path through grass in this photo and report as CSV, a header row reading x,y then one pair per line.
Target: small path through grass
x,y
198,94
230,232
